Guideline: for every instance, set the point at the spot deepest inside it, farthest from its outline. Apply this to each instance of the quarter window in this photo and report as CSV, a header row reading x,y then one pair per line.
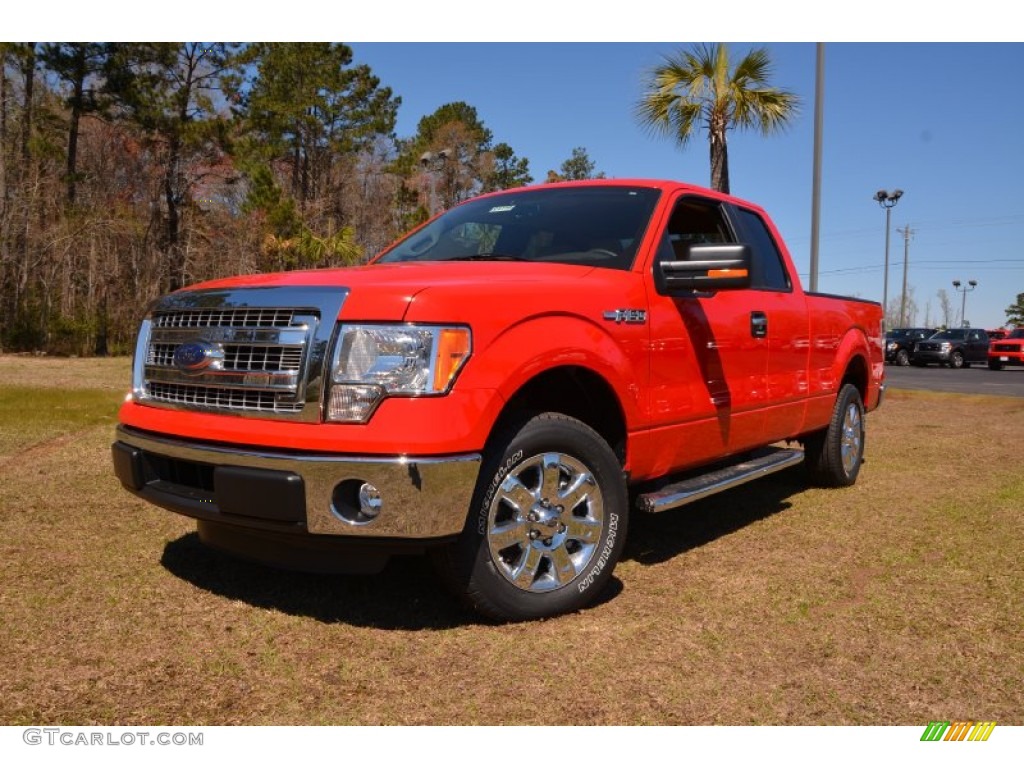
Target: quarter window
x,y
767,270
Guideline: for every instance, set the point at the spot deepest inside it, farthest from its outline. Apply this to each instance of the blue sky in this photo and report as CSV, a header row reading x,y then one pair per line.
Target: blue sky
x,y
940,120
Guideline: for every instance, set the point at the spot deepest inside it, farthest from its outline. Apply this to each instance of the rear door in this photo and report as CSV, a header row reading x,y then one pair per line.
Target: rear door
x,y
785,326
977,346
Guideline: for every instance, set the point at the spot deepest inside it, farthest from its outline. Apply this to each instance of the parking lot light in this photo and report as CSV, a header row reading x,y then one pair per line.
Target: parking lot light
x,y
964,289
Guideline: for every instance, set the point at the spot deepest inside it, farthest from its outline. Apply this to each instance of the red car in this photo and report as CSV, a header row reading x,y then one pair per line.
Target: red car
x,y
1007,351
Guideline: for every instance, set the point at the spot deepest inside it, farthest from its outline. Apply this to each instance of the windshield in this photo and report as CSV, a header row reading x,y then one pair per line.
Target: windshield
x,y
597,226
951,334
1017,334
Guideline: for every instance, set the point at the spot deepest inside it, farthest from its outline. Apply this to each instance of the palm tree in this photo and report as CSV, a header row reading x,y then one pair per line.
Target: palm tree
x,y
697,88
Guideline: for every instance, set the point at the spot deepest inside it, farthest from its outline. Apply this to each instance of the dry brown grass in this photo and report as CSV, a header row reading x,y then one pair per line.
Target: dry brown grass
x,y
898,601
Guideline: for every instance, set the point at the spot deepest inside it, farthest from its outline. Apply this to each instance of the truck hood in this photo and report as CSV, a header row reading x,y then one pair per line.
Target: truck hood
x,y
384,292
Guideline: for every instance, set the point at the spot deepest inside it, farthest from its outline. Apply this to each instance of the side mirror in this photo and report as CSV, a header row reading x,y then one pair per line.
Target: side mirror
x,y
704,267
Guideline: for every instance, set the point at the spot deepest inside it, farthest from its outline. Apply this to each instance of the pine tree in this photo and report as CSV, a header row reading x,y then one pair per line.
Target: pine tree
x,y
167,91
1015,312
509,171
76,64
310,104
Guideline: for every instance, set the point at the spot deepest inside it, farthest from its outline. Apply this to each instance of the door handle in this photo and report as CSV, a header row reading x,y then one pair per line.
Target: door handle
x,y
758,325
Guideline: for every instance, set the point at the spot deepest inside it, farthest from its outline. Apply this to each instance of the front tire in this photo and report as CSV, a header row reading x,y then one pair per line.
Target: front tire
x,y
995,365
956,360
902,358
547,525
834,455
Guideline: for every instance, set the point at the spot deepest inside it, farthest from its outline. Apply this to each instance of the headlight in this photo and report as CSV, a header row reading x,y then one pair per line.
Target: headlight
x,y
946,346
891,345
372,362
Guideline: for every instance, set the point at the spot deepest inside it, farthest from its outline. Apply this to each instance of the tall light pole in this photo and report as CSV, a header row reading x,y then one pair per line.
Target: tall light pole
x,y
906,232
963,304
887,200
819,111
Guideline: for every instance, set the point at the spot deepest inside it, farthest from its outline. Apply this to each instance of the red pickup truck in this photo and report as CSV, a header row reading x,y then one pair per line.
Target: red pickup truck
x,y
500,389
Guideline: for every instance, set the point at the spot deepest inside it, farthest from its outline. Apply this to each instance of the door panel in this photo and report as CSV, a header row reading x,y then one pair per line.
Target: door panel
x,y
708,369
788,333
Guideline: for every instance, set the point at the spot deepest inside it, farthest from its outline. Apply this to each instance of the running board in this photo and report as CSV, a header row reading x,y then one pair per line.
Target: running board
x,y
702,486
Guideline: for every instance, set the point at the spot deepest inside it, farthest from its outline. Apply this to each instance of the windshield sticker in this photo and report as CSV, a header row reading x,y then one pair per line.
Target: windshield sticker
x,y
501,208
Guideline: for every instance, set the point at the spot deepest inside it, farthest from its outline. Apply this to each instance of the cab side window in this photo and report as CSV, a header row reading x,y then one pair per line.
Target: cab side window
x,y
696,221
693,222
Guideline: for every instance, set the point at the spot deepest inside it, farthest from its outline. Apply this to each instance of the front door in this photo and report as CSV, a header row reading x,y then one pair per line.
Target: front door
x,y
709,359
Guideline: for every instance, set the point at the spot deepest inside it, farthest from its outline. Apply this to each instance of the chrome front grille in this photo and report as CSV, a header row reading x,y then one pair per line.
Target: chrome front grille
x,y
246,357
161,354
255,352
238,357
230,318
220,398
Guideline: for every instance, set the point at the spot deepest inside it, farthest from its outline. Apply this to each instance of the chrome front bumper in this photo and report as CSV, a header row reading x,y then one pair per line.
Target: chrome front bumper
x,y
420,498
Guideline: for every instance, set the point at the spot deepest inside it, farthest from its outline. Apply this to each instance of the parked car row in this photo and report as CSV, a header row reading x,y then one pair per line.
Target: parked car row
x,y
954,347
899,343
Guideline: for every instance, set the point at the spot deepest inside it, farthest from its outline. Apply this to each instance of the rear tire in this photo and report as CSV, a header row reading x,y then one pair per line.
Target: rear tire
x,y
547,524
833,456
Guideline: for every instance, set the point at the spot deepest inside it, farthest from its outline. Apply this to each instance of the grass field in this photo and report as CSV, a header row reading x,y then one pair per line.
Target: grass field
x,y
897,601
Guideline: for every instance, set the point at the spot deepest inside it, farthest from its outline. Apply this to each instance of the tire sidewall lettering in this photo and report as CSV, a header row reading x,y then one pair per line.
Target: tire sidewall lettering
x,y
499,476
482,579
602,559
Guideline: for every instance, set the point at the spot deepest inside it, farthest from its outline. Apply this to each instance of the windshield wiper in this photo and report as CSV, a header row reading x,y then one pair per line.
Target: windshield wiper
x,y
487,257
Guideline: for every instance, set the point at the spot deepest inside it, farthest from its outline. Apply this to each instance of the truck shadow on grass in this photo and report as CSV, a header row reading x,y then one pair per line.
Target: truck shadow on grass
x,y
408,595
656,538
405,595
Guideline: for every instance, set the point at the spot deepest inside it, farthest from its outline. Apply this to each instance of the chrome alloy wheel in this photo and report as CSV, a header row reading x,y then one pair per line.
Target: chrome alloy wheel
x,y
545,522
853,434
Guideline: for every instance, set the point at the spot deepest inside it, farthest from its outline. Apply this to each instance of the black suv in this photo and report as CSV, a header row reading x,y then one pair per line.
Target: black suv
x,y
899,343
957,348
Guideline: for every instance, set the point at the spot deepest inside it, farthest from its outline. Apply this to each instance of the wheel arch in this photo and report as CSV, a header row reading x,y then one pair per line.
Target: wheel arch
x,y
856,373
856,364
575,391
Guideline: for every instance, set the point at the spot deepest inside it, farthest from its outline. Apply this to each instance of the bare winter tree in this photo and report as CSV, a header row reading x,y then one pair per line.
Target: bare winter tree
x,y
945,307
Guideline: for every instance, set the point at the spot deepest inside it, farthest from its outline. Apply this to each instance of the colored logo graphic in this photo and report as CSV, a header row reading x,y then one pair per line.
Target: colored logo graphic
x,y
194,356
967,730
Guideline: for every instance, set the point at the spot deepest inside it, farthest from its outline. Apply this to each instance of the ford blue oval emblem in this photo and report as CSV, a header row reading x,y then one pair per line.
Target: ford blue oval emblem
x,y
194,356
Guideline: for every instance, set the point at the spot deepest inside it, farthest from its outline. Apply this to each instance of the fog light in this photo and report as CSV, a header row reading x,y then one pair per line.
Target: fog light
x,y
369,500
356,501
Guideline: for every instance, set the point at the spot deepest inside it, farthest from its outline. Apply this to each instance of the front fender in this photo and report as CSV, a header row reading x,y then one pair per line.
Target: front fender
x,y
527,349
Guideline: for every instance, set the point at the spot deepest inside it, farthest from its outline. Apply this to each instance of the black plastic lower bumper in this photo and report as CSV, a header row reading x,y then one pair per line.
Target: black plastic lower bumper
x,y
243,495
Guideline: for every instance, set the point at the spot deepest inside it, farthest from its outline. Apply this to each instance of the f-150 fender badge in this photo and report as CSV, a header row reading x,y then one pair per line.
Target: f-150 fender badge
x,y
634,316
